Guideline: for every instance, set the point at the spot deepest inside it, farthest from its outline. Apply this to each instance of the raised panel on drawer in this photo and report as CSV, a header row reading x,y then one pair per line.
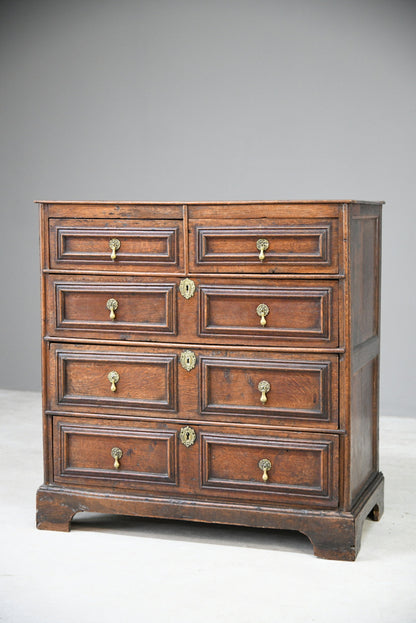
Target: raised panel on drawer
x,y
79,374
299,315
80,308
303,392
295,246
82,454
304,468
83,244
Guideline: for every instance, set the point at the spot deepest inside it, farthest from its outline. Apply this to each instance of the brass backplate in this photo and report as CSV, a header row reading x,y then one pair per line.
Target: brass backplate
x,y
187,288
188,360
187,436
263,386
114,244
262,309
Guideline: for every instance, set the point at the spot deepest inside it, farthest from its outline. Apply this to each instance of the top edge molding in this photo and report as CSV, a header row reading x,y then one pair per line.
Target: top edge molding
x,y
208,203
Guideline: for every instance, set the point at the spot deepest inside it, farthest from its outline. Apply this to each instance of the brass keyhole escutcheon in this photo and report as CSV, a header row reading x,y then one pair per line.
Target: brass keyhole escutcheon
x,y
114,245
187,436
114,378
187,288
262,311
116,453
265,465
112,305
188,360
264,388
262,245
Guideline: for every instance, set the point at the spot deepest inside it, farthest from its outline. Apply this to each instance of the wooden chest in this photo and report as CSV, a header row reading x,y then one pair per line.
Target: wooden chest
x,y
213,362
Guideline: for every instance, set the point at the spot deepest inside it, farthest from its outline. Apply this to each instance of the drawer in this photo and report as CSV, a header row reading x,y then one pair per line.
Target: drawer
x,y
88,452
303,245
116,244
221,311
221,386
119,309
91,378
270,313
272,470
298,468
291,390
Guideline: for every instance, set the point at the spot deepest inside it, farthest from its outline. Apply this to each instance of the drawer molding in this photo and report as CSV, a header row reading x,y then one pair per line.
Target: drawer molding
x,y
243,400
318,253
231,311
164,375
223,456
72,297
75,438
169,237
305,247
83,244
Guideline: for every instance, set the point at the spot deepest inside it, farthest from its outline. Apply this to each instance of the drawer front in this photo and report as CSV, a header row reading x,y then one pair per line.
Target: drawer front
x,y
115,309
143,245
294,392
300,468
222,386
279,246
283,315
304,313
81,378
263,469
88,452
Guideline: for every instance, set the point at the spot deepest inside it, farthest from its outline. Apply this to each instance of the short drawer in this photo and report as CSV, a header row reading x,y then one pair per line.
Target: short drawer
x,y
298,314
115,244
112,454
91,378
294,390
304,245
96,307
287,468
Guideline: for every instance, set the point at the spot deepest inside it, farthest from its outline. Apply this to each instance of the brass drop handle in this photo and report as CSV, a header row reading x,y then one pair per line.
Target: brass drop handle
x,y
116,453
114,378
263,387
265,465
112,305
114,245
262,311
262,245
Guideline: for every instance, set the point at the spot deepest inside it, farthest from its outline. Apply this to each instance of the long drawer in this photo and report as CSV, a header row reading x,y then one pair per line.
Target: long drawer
x,y
203,384
273,312
270,469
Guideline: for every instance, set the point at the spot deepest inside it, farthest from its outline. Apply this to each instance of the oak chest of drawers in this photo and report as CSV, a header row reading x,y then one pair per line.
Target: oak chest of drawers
x,y
213,362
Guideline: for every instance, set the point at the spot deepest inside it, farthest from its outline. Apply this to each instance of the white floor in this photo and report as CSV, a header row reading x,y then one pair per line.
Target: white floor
x,y
110,569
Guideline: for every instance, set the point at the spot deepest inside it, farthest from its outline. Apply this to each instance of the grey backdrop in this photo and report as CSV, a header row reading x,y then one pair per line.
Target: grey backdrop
x,y
200,100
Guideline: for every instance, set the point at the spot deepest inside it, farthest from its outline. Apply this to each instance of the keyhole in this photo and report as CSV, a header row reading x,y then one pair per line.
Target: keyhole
x,y
187,436
187,361
187,288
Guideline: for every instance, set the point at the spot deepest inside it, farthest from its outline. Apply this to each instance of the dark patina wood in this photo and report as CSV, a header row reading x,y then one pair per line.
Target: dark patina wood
x,y
215,413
